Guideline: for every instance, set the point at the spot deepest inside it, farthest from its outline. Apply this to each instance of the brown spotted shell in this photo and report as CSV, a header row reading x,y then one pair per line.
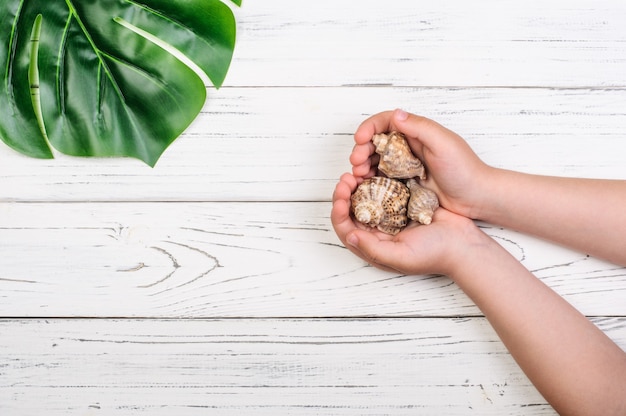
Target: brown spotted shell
x,y
382,203
396,159
422,203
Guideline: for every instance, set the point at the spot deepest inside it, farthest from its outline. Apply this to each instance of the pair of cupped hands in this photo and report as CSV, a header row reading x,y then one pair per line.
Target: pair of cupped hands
x,y
454,172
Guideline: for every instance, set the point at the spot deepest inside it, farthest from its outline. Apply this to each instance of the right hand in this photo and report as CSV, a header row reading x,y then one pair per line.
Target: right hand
x,y
454,171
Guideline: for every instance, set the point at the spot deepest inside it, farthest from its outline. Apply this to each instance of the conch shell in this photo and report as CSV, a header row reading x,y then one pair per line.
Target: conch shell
x,y
422,203
396,159
382,203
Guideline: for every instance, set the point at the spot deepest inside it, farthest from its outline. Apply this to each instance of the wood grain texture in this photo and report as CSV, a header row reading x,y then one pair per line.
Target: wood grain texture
x,y
557,43
264,367
292,144
239,260
214,283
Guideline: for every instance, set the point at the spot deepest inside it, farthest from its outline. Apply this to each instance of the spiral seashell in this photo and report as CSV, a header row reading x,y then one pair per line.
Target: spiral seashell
x,y
422,203
382,203
396,159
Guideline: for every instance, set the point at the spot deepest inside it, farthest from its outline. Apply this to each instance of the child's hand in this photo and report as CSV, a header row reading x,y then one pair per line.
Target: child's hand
x,y
550,350
418,249
454,171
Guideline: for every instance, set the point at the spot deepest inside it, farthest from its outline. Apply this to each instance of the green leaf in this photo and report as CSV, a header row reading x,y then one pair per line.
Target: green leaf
x,y
102,78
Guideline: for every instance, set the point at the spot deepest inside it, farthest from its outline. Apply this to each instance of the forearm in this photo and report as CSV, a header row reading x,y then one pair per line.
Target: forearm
x,y
577,368
588,215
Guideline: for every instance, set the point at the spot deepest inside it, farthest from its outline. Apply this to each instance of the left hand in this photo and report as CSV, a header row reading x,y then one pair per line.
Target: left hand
x,y
418,249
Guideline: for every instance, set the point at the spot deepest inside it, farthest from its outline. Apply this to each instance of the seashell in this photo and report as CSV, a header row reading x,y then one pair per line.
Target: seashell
x,y
382,203
422,203
396,159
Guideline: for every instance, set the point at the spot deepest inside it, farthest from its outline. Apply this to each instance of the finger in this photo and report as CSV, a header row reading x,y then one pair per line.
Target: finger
x,y
350,181
361,153
366,170
344,188
423,129
340,212
341,220
378,123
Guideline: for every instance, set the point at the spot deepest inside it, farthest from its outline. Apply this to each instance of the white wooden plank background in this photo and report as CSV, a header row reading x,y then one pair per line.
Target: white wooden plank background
x,y
214,284
239,260
315,367
288,144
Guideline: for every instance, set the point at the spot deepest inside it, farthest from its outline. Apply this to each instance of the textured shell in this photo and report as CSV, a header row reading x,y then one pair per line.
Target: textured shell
x,y
396,159
422,204
382,203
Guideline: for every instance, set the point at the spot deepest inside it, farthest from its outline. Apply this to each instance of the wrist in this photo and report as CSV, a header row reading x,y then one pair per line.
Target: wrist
x,y
468,251
465,248
491,191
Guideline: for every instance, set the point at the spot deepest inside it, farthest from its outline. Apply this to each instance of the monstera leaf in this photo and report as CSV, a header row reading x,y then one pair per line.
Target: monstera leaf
x,y
102,77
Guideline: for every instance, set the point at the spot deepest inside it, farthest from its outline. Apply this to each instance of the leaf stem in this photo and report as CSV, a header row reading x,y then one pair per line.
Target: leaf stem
x,y
33,76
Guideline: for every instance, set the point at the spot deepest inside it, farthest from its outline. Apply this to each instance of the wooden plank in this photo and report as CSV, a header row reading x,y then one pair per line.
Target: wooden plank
x,y
417,43
292,366
291,144
537,87
239,260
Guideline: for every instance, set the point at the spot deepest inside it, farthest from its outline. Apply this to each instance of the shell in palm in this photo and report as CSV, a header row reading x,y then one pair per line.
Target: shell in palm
x,y
422,203
382,203
396,159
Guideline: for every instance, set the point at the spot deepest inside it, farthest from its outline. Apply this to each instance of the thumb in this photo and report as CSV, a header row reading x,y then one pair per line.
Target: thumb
x,y
417,127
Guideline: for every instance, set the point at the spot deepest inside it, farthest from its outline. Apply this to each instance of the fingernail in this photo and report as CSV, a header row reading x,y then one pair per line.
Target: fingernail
x,y
352,240
401,115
